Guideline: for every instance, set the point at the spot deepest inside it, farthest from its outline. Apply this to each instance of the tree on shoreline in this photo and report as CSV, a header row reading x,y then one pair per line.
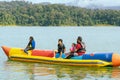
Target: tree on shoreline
x,y
27,14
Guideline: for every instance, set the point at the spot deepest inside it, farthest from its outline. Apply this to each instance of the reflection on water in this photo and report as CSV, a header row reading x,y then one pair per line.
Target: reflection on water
x,y
116,73
37,71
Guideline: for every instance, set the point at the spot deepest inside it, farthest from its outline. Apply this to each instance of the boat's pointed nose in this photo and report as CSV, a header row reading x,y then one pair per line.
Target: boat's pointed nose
x,y
6,50
116,59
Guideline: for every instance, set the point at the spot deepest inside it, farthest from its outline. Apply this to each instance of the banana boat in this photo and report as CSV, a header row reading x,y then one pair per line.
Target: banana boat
x,y
46,56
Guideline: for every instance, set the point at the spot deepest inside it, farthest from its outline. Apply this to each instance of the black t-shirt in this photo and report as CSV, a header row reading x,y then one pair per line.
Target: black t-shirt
x,y
61,48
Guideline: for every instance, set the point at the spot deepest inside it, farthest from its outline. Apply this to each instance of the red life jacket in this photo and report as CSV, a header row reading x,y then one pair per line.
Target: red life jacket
x,y
80,48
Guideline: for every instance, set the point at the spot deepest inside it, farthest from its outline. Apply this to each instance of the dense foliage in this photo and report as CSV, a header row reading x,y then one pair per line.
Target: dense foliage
x,y
28,14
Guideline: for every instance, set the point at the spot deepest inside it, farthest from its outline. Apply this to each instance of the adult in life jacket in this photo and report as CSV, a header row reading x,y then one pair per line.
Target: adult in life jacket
x,y
80,46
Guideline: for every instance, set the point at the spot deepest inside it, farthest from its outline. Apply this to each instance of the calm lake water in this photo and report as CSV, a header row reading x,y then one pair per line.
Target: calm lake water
x,y
97,39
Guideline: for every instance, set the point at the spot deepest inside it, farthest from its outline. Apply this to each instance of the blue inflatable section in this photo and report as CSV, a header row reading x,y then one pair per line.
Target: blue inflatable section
x,y
98,56
77,57
58,55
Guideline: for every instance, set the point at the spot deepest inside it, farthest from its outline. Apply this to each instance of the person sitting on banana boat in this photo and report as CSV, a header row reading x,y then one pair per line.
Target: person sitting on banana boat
x,y
79,48
31,45
60,52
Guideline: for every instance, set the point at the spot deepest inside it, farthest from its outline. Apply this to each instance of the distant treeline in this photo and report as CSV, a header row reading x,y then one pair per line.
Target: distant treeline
x,y
28,14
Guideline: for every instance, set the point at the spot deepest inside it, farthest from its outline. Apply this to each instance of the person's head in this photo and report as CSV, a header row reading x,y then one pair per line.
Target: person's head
x,y
31,38
79,39
73,44
60,41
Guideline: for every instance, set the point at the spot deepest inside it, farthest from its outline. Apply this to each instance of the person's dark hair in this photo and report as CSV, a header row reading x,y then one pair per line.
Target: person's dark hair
x,y
79,38
60,40
74,44
31,37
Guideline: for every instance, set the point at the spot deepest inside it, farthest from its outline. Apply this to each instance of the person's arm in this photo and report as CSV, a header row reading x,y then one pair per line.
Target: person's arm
x,y
64,49
60,54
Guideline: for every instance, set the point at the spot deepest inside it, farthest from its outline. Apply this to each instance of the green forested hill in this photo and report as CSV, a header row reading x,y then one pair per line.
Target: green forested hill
x,y
28,14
